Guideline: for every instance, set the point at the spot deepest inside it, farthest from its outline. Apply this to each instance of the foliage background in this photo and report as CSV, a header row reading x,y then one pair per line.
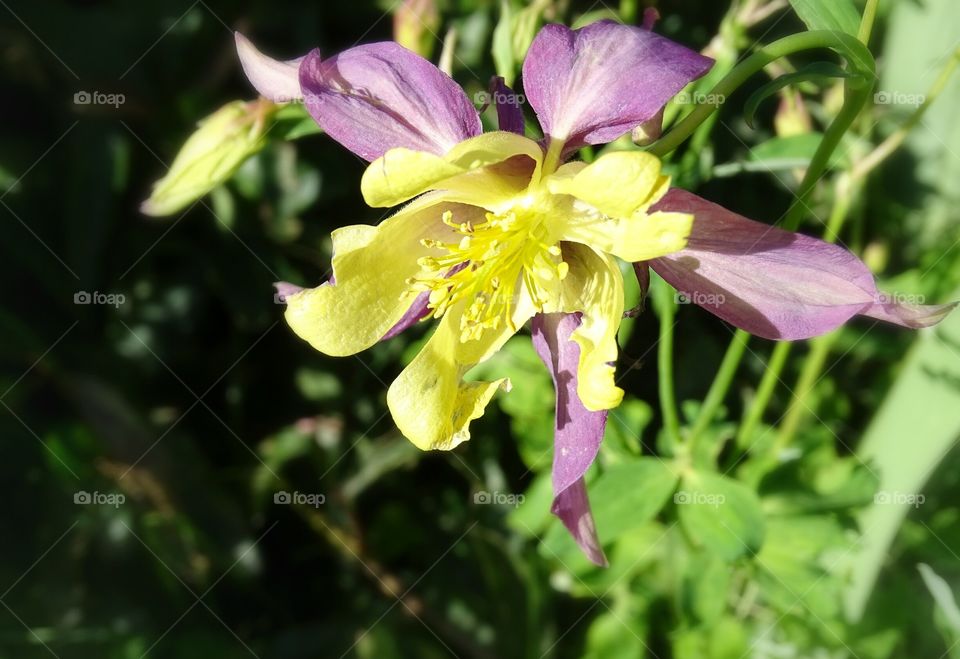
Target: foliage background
x,y
194,401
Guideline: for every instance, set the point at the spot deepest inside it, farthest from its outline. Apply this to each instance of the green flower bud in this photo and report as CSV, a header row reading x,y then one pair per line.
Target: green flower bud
x,y
222,142
415,25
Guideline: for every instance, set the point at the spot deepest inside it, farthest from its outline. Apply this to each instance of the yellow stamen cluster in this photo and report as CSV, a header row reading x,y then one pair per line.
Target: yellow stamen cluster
x,y
490,267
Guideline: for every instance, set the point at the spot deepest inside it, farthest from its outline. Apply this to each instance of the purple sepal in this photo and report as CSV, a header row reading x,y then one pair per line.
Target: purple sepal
x,y
380,96
592,85
774,283
578,431
417,311
890,309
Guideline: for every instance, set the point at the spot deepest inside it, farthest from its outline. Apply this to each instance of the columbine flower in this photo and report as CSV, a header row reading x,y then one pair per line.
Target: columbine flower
x,y
501,230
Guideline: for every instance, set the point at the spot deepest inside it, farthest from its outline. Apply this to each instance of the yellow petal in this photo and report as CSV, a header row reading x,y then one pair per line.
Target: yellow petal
x,y
494,187
638,238
371,265
594,287
617,184
564,174
429,401
401,174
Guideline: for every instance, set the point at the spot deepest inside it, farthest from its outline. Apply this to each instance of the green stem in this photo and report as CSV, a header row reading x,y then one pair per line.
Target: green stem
x,y
853,50
857,98
667,309
866,23
771,377
721,384
552,159
799,407
841,208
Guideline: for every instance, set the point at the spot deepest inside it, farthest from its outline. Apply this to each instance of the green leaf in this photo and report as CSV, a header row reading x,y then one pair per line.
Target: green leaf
x,y
794,147
276,452
513,35
800,566
532,516
783,154
415,25
290,130
727,639
625,427
293,122
618,632
837,15
720,514
630,494
502,47
706,583
818,72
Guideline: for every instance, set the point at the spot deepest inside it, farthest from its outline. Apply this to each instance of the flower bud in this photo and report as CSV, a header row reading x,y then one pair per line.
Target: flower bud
x,y
792,117
649,131
415,25
222,142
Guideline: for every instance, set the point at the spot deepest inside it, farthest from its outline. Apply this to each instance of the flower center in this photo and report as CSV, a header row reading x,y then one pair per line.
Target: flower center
x,y
491,266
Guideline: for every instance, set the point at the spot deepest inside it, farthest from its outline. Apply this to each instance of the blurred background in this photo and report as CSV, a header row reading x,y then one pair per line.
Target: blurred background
x,y
183,477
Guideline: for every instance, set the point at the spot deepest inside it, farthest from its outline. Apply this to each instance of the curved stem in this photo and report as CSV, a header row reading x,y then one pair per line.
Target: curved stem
x,y
850,47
